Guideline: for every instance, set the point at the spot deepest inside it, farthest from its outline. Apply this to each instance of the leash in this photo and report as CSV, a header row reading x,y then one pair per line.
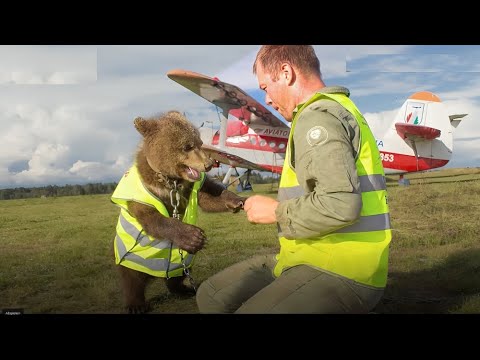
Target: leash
x,y
176,215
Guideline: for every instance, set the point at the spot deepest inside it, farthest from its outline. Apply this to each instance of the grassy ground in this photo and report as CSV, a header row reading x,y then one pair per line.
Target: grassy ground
x,y
56,253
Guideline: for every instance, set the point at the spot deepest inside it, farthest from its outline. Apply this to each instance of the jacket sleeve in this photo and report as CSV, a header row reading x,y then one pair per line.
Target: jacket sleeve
x,y
326,170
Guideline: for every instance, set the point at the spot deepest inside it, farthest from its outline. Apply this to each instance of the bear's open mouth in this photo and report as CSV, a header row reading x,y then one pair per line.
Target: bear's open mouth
x,y
193,174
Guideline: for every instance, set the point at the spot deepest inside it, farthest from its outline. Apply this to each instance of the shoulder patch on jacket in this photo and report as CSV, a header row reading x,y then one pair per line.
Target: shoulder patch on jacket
x,y
317,135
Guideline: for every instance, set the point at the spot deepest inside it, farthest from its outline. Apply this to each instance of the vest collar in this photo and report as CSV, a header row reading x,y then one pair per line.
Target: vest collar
x,y
325,90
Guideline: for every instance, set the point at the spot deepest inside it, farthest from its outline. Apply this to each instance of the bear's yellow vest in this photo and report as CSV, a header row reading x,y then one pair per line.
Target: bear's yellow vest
x,y
358,251
139,251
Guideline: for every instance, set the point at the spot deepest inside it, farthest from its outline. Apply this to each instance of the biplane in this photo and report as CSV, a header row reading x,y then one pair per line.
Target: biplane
x,y
419,138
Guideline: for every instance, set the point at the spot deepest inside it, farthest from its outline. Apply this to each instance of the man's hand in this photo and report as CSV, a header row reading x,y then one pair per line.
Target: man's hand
x,y
261,209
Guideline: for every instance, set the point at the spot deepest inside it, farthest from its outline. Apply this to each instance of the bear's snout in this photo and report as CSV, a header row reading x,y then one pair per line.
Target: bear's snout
x,y
208,164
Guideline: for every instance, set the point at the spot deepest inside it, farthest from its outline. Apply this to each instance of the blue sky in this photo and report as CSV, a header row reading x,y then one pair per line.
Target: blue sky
x,y
66,112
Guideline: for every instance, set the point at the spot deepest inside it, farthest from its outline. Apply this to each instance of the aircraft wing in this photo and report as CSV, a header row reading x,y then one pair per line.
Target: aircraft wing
x,y
416,132
227,97
230,159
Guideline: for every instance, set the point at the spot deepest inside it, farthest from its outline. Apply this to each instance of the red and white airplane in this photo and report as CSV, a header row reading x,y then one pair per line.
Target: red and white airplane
x,y
419,138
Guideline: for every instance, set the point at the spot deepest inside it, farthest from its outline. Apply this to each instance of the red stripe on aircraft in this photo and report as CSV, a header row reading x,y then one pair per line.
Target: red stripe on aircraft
x,y
271,168
409,163
240,114
236,128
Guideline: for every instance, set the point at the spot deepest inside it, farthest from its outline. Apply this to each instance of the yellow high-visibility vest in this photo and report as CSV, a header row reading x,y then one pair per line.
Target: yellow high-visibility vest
x,y
358,251
133,247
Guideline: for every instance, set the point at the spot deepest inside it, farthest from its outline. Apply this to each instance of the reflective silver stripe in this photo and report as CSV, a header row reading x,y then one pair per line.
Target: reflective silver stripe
x,y
120,247
188,260
368,223
367,183
155,264
152,264
285,193
143,240
372,182
128,227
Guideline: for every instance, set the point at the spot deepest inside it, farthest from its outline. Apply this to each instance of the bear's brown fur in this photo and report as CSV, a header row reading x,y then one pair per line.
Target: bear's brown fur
x,y
171,150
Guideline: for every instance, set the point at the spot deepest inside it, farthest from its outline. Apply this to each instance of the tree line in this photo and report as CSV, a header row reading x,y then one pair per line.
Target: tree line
x,y
54,190
95,188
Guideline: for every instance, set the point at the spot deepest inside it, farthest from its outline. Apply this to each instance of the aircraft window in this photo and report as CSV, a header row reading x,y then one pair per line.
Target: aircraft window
x,y
281,146
263,142
267,120
237,101
272,144
253,140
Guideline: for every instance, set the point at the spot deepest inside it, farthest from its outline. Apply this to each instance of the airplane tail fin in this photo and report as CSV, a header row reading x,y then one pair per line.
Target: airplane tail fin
x,y
421,135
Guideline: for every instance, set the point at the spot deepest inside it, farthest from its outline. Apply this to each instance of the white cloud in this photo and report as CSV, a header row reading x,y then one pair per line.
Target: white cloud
x,y
50,141
82,130
93,171
48,64
48,156
333,62
466,148
379,122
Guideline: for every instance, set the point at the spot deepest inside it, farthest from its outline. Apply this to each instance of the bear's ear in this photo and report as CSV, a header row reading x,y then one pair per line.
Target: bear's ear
x,y
141,125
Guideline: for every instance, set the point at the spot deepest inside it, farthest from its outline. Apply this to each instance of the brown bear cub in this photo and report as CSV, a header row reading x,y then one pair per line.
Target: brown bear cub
x,y
158,196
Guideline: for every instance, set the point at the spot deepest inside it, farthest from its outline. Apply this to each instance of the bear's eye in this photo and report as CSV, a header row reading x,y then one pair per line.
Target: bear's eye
x,y
188,148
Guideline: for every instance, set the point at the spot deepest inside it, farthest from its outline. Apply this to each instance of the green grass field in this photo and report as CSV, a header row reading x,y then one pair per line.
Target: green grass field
x,y
56,253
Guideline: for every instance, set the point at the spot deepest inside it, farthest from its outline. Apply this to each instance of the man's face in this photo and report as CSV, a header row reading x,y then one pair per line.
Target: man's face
x,y
276,92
